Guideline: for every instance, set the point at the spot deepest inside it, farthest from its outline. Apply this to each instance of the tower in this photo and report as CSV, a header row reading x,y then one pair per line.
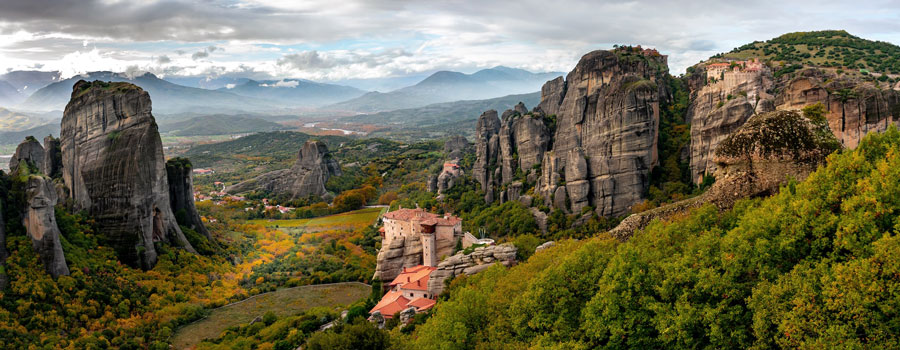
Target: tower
x,y
428,249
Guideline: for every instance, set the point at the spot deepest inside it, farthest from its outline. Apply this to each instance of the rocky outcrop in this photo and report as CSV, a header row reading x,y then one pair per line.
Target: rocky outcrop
x,y
456,147
594,133
766,152
487,148
724,96
39,219
114,168
469,264
400,253
307,177
29,151
52,166
181,195
545,245
853,107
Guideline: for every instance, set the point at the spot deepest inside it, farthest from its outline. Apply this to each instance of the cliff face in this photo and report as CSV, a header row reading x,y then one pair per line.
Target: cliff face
x,y
39,220
305,178
462,264
591,141
854,108
754,160
114,167
723,98
406,252
726,95
52,166
181,195
29,151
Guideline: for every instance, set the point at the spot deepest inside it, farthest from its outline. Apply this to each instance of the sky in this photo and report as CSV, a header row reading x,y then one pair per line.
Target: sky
x,y
338,40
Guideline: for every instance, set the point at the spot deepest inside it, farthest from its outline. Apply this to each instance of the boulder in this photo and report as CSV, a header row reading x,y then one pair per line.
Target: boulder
x,y
377,318
468,264
407,315
29,151
39,220
540,218
181,195
114,167
544,245
307,177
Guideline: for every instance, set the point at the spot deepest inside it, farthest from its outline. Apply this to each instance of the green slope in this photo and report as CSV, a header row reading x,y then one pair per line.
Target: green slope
x,y
813,267
830,48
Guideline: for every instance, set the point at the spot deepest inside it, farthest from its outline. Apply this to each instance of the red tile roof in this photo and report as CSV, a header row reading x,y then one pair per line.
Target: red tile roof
x,y
422,216
422,304
410,276
391,303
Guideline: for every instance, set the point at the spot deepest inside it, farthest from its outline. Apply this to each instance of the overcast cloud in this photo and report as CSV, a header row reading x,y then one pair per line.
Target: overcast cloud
x,y
351,39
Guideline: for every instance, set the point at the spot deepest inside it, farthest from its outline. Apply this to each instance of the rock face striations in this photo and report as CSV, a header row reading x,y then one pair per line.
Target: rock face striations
x,y
755,160
469,264
39,220
181,195
591,141
725,94
305,178
114,168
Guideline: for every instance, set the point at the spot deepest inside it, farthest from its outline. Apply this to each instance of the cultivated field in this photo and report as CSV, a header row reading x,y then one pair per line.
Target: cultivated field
x,y
284,302
350,220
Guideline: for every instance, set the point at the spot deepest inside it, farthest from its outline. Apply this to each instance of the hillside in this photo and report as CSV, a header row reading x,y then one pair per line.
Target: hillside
x,y
831,48
167,97
812,267
295,92
218,124
446,86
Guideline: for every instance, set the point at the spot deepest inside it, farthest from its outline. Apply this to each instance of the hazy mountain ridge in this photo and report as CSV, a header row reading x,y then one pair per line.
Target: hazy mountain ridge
x,y
295,92
218,124
447,86
170,97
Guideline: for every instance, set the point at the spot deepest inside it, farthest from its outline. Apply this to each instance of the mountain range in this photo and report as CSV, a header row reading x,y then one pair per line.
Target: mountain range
x,y
294,92
168,97
446,86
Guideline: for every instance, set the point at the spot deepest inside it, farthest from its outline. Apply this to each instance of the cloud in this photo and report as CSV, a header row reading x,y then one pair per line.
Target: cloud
x,y
230,86
199,54
283,83
163,59
325,39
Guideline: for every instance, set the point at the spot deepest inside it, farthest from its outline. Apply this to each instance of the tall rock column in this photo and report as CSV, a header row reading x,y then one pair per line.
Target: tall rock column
x,y
29,151
114,167
39,220
487,148
52,165
610,110
181,195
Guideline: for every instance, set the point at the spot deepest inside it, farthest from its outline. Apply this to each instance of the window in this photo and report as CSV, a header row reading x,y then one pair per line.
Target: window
x,y
410,295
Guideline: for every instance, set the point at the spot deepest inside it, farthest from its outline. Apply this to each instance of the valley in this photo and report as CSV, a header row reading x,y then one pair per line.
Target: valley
x,y
749,202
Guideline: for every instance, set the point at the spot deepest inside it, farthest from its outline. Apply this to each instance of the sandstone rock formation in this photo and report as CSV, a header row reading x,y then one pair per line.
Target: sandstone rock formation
x,y
456,147
114,168
305,178
594,134
487,147
723,97
469,264
726,94
181,195
52,166
755,160
854,107
39,219
29,151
